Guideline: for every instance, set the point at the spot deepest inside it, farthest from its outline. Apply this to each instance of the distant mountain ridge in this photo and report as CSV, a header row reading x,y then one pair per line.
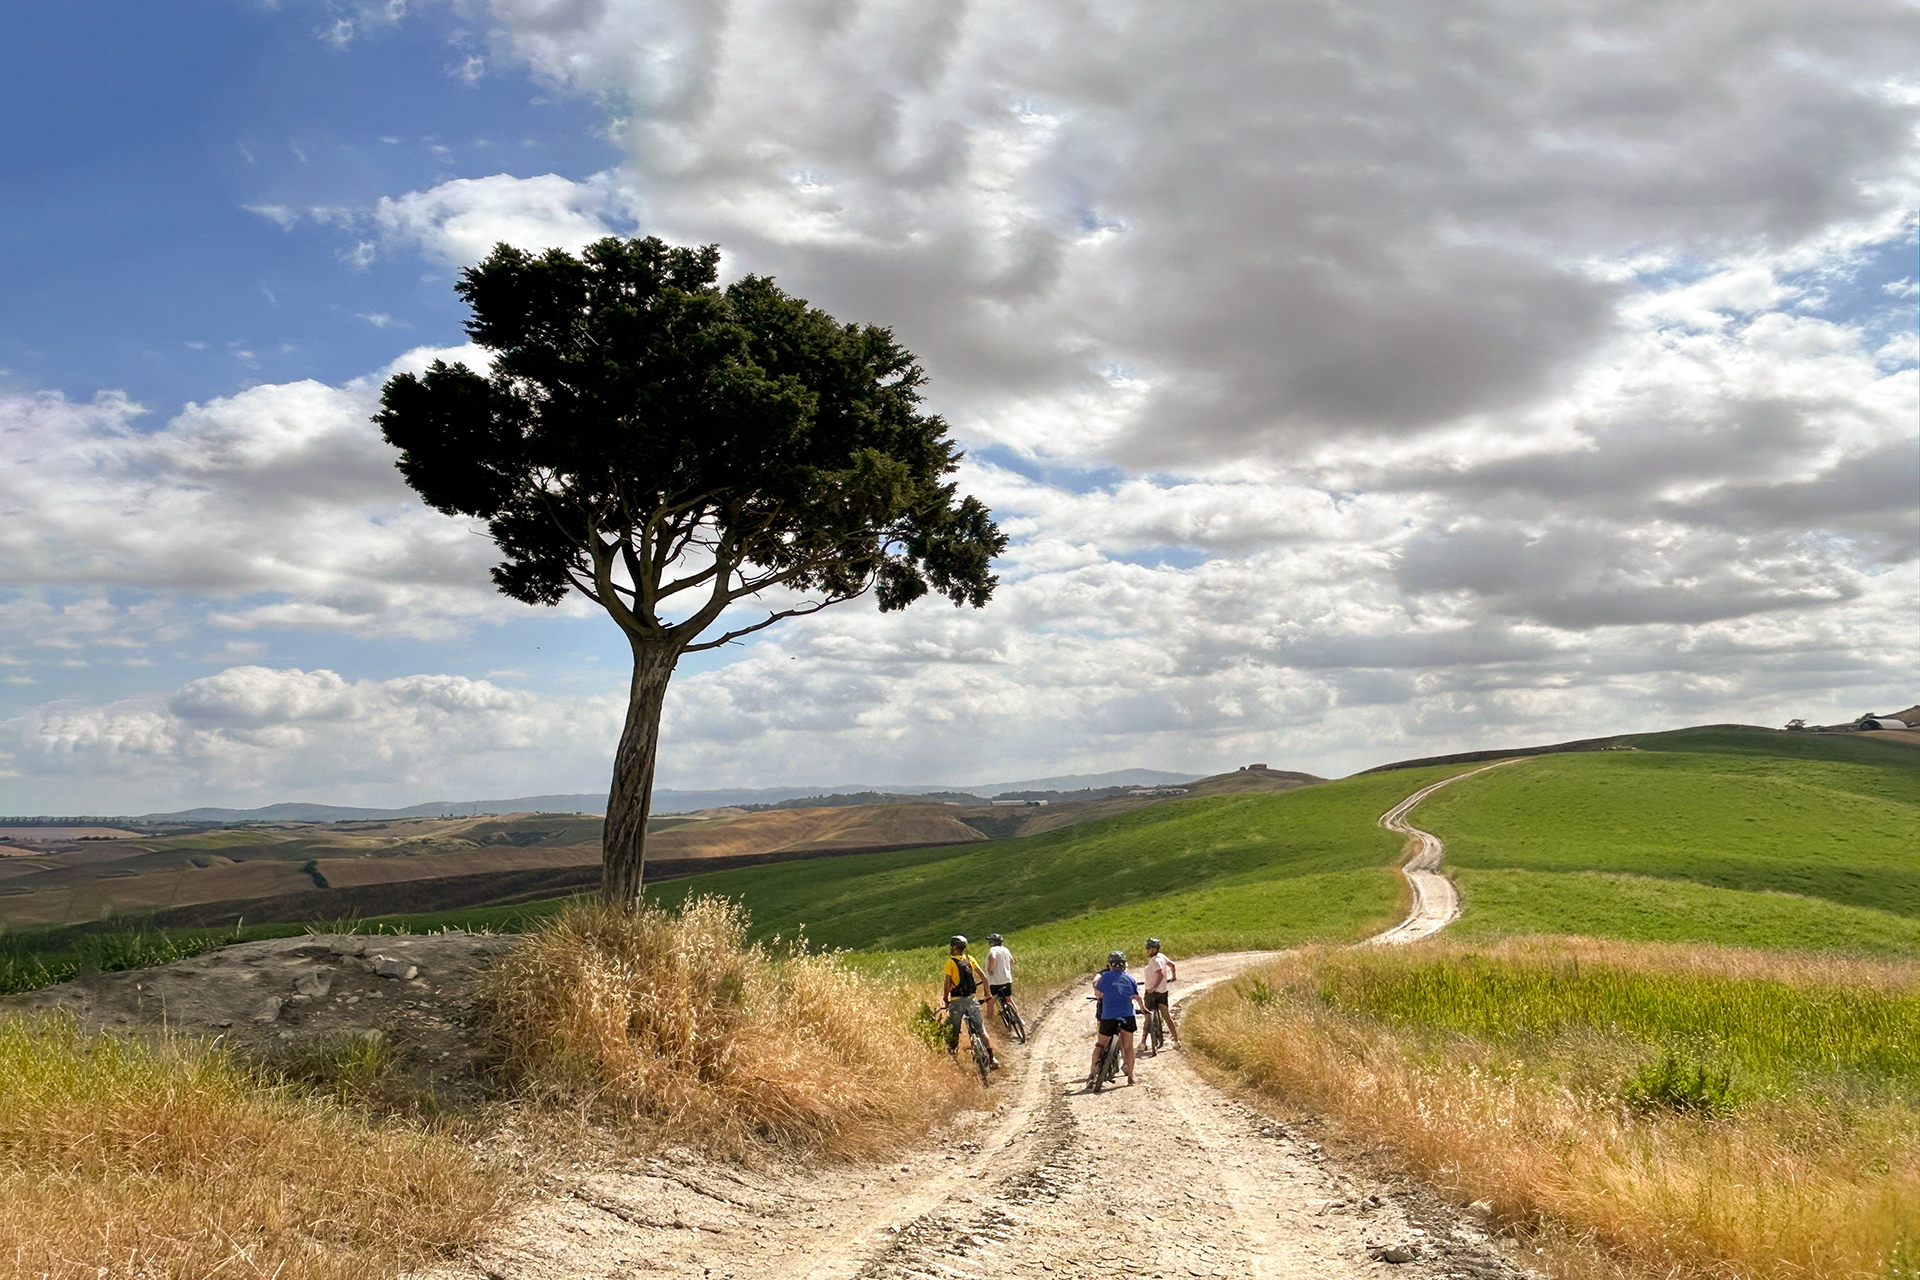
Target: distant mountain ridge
x,y
665,800
301,812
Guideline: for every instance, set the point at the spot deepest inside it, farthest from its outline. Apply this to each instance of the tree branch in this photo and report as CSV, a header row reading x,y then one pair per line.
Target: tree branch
x,y
772,618
609,596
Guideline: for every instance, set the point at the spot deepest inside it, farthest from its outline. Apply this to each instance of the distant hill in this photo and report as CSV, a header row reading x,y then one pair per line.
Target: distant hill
x,y
585,803
1090,781
665,800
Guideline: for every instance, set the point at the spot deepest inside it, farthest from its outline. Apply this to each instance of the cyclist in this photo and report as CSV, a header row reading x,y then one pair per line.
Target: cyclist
x,y
1160,975
999,973
1118,995
960,984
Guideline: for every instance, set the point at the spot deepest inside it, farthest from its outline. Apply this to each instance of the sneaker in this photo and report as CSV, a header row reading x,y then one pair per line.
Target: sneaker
x,y
994,1062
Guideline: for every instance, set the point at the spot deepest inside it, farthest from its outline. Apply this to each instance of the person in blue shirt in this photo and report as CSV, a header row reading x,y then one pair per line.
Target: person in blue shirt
x,y
1118,995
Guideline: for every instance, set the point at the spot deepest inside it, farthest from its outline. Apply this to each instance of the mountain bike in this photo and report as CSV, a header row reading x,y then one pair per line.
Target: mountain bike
x,y
1156,1031
1015,1024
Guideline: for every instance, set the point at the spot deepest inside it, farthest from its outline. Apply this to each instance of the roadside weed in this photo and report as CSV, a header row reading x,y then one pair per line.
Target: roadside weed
x,y
1679,1085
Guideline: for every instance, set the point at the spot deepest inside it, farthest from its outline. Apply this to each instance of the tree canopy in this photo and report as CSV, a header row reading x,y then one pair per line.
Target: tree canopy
x,y
637,418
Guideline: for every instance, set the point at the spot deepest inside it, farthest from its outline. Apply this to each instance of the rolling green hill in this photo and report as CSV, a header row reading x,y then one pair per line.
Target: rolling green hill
x,y
1722,834
1260,870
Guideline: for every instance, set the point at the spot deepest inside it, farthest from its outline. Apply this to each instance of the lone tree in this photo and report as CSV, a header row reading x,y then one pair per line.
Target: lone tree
x,y
668,449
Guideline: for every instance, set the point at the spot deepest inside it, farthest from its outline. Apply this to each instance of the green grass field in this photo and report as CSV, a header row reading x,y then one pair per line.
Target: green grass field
x,y
1771,1032
1262,870
1741,836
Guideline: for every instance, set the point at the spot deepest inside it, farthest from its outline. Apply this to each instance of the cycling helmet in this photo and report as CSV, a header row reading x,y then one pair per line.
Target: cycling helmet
x,y
958,940
1153,944
1116,959
995,939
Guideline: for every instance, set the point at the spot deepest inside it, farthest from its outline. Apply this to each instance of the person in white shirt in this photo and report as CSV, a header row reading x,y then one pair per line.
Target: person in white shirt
x,y
1160,975
999,971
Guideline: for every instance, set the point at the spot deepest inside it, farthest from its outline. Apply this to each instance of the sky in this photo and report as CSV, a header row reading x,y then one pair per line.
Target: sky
x,y
1355,381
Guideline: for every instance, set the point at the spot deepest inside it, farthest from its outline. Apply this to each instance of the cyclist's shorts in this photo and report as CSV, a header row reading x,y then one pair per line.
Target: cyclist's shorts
x,y
1156,999
1112,1026
1002,990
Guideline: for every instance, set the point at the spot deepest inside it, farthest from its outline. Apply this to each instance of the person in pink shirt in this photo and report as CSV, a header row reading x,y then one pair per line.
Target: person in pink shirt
x,y
1160,974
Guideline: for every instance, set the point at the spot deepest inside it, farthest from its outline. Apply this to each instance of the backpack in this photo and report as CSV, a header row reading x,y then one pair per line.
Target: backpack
x,y
968,983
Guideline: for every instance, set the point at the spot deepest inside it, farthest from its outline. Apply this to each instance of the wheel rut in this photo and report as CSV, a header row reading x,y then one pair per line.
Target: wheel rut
x,y
1166,1178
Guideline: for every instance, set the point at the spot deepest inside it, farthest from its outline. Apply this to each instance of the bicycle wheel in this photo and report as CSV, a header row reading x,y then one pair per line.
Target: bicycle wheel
x,y
981,1058
1015,1023
1156,1032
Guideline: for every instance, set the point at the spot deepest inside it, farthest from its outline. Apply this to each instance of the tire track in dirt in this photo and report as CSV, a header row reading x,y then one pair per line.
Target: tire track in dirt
x,y
1166,1178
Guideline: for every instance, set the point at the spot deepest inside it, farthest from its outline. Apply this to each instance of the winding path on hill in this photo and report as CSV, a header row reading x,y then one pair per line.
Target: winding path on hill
x,y
1436,902
1166,1178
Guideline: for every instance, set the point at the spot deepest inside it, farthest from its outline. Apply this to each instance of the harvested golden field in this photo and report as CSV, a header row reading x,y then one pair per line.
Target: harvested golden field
x,y
873,826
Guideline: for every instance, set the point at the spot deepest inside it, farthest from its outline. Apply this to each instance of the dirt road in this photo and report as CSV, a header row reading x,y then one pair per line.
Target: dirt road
x,y
1165,1178
1436,903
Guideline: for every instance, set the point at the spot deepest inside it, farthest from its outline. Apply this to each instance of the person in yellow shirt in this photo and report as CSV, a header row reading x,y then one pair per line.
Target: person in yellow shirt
x,y
961,983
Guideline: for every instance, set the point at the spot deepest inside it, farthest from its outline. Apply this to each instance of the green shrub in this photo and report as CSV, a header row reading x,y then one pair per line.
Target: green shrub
x,y
1678,1085
933,1029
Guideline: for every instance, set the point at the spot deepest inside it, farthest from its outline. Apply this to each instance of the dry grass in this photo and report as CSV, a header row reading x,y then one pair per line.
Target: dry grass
x,y
1812,1172
674,1027
124,1159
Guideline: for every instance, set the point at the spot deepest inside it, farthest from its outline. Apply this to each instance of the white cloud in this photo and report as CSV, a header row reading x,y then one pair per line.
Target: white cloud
x,y
281,500
253,735
460,221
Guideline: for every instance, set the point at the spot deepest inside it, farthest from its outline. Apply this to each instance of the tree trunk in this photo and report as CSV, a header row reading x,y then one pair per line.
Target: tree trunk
x,y
623,850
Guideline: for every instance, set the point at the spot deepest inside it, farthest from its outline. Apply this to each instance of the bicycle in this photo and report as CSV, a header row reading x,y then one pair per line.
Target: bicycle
x,y
982,1058
1156,1032
1015,1024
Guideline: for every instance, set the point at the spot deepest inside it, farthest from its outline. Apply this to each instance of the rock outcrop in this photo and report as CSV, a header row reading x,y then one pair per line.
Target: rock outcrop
x,y
276,999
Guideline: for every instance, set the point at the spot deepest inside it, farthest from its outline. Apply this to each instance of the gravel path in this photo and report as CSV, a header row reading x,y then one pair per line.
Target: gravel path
x,y
1166,1178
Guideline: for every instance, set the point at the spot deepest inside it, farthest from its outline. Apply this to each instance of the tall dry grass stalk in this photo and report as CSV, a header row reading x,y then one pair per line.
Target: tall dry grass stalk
x,y
1813,1183
673,1026
126,1159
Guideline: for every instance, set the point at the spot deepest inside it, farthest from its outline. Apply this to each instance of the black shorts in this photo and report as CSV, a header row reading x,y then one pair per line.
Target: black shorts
x,y
1113,1026
1155,1000
1001,990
